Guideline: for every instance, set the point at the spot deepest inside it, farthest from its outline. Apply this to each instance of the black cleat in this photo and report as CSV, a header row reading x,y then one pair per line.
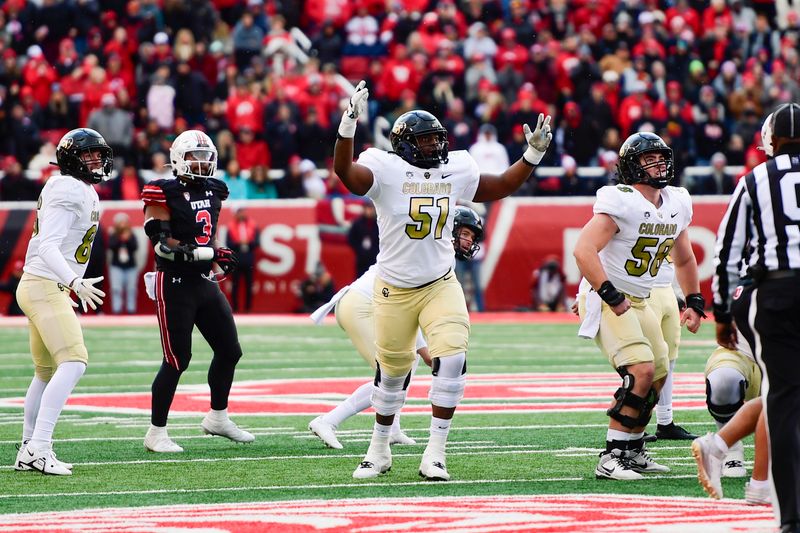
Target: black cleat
x,y
649,438
673,432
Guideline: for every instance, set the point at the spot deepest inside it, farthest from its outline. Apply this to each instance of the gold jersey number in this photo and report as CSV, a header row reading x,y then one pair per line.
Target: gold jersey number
x,y
645,259
424,220
85,248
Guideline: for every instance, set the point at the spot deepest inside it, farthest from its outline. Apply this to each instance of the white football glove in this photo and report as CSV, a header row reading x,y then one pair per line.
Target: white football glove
x,y
538,139
356,108
87,293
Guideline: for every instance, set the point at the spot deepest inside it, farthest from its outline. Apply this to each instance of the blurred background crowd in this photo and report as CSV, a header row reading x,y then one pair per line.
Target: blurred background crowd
x,y
267,79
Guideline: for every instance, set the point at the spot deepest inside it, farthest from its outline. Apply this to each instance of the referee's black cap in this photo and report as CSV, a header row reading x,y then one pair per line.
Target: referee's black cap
x,y
786,121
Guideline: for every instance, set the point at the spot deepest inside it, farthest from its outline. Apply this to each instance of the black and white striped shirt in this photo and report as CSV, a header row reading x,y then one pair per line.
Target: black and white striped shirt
x,y
761,226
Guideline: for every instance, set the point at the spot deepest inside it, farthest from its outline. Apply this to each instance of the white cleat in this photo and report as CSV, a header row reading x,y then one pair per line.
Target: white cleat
x,y
733,464
401,438
709,464
20,465
373,466
43,461
755,496
326,433
158,441
433,467
616,465
226,428
640,461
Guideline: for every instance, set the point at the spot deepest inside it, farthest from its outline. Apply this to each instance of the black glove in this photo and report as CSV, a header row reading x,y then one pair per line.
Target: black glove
x,y
226,259
697,303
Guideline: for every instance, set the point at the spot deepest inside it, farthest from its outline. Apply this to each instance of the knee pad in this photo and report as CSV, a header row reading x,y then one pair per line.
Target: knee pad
x,y
723,411
624,397
449,380
389,393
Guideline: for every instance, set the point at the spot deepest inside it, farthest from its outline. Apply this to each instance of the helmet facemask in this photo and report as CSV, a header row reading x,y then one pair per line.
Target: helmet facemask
x,y
95,164
467,233
420,139
630,169
197,164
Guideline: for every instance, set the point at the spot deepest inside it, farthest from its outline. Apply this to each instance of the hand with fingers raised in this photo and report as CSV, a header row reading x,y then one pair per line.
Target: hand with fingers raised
x,y
87,293
355,108
538,140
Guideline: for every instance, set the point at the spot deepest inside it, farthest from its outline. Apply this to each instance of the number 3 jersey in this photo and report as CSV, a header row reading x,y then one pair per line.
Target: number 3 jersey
x,y
194,215
67,218
633,257
415,213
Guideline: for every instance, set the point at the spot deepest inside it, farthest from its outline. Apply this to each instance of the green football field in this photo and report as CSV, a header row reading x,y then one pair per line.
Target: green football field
x,y
524,428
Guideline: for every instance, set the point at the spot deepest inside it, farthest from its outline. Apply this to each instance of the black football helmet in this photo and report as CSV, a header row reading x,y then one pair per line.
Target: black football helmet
x,y
468,218
630,170
405,135
71,151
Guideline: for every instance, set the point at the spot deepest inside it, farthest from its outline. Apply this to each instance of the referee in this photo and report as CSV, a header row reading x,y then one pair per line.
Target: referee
x,y
761,228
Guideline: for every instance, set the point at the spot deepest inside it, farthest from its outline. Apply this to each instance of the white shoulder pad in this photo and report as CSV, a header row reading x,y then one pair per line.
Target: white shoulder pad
x,y
373,158
682,196
612,200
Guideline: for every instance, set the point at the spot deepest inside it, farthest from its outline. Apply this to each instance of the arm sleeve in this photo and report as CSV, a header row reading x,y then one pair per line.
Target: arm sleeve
x,y
153,194
53,228
732,237
369,158
475,175
609,203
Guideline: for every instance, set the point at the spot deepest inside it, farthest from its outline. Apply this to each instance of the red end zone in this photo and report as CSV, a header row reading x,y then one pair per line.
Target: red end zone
x,y
542,513
486,393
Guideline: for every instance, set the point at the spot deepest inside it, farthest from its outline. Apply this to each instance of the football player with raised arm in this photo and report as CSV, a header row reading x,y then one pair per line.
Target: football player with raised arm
x,y
181,219
415,188
353,308
636,224
67,219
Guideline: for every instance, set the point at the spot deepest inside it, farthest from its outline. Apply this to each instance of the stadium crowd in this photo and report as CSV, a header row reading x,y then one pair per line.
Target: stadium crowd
x,y
701,74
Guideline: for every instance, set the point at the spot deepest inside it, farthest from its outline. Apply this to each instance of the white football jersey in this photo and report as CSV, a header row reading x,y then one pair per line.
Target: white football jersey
x,y
666,274
637,252
67,220
365,282
415,208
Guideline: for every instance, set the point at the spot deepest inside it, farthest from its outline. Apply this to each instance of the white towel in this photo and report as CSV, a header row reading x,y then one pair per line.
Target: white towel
x,y
591,321
322,311
150,284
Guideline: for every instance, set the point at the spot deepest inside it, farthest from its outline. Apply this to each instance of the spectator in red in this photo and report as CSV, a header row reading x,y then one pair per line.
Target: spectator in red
x,y
245,108
540,71
128,186
313,98
68,58
121,80
449,15
124,45
94,89
162,53
38,75
317,12
251,151
593,14
675,97
397,75
430,34
716,12
243,240
687,14
510,52
631,107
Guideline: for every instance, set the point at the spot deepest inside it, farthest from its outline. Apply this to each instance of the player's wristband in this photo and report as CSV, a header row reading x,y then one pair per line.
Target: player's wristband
x,y
532,156
610,294
696,302
347,127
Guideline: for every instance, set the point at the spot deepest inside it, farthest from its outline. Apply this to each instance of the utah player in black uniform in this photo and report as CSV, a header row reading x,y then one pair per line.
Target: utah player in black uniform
x,y
181,217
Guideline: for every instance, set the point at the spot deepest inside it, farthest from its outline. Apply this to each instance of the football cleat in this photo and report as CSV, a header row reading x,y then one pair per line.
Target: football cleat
x,y
20,465
709,464
399,437
673,432
433,467
640,461
157,440
733,464
616,465
373,466
43,461
226,428
649,438
326,433
755,496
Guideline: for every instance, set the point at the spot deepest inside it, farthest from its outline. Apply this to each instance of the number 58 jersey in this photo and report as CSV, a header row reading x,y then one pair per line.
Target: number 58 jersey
x,y
415,208
646,234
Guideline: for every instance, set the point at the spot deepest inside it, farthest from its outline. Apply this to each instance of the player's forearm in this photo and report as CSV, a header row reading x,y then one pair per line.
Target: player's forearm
x,y
686,274
357,179
54,227
590,266
498,187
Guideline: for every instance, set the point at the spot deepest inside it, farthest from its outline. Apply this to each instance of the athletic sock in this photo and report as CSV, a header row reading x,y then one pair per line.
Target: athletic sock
x,y
352,405
54,397
33,398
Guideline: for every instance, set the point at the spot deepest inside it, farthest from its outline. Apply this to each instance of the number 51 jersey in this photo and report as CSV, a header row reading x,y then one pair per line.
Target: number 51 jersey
x,y
415,208
194,215
646,234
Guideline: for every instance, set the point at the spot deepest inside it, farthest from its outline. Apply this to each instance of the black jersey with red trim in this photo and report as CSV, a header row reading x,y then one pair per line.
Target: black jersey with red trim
x,y
194,213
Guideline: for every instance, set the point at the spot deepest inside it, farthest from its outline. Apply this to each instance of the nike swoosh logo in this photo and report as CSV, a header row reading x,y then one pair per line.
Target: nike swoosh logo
x,y
606,470
30,453
444,176
447,277
673,215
